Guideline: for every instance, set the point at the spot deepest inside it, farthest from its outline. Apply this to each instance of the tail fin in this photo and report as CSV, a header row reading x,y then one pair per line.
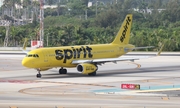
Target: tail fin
x,y
124,33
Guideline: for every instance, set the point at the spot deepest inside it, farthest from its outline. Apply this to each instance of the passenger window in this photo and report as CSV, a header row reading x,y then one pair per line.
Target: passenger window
x,y
37,55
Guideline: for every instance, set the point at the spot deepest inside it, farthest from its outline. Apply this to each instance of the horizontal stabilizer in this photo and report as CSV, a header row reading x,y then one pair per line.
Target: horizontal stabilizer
x,y
139,48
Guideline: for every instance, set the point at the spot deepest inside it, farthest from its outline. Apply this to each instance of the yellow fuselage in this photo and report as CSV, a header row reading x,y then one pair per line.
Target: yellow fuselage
x,y
45,58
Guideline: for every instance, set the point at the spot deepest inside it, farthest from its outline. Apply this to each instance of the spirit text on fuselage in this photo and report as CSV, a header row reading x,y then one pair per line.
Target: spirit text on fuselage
x,y
69,53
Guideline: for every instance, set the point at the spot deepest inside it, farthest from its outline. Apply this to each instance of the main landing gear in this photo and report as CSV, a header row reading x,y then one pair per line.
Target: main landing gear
x,y
92,74
62,71
39,74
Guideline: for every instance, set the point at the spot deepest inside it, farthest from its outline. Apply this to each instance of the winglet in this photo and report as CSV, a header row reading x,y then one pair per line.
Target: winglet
x,y
24,46
160,50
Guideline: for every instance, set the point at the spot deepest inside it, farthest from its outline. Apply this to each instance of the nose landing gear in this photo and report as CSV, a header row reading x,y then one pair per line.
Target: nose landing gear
x,y
39,73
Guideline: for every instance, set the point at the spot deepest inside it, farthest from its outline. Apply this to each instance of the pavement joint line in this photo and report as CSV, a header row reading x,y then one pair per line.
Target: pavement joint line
x,y
131,94
141,91
128,97
156,80
23,90
138,66
1,92
149,80
74,83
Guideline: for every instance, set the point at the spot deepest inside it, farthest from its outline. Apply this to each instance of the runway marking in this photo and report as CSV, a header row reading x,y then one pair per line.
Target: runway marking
x,y
75,84
128,97
90,84
13,107
59,107
165,98
138,65
16,81
157,81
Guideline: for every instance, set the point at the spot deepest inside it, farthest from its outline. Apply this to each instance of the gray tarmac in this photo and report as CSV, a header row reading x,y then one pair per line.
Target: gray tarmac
x,y
159,78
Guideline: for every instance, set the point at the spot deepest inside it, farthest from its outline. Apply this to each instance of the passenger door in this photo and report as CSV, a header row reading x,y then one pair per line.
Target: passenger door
x,y
46,54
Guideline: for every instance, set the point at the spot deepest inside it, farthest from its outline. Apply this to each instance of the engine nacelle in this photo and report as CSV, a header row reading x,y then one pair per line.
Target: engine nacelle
x,y
86,68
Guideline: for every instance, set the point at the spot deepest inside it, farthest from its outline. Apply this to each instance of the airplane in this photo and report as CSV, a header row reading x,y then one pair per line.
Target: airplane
x,y
85,58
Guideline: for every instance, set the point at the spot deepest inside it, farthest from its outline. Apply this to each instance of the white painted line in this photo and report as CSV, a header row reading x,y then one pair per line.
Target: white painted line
x,y
129,94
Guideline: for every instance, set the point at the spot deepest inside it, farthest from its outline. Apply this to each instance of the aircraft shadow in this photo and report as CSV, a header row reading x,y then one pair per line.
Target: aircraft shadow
x,y
114,73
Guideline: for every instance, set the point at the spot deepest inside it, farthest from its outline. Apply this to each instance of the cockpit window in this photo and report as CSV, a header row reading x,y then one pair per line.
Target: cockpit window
x,y
32,55
29,55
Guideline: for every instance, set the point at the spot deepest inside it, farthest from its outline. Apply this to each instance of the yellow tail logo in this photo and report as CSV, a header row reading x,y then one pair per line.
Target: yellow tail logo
x,y
124,33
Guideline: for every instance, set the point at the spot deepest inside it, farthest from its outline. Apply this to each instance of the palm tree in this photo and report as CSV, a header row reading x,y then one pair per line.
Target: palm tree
x,y
68,33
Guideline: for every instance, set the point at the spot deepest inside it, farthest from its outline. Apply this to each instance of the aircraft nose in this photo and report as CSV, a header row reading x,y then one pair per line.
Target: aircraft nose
x,y
25,62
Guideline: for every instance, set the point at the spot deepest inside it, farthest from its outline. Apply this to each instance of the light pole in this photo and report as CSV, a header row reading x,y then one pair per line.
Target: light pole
x,y
0,37
96,7
47,39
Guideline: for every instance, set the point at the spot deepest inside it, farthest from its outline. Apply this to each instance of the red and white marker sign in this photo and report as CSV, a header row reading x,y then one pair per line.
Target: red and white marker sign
x,y
130,86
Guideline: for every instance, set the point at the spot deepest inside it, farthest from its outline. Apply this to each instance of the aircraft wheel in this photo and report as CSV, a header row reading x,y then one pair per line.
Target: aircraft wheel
x,y
92,74
38,75
62,71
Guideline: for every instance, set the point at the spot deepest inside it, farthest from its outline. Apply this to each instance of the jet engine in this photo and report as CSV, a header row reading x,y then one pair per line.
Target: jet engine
x,y
86,68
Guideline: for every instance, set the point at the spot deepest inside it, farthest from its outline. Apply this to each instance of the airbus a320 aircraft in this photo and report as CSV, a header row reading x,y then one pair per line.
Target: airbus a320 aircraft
x,y
84,57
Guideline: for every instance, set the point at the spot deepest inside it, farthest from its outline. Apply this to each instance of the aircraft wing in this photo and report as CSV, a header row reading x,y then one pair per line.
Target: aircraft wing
x,y
122,58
